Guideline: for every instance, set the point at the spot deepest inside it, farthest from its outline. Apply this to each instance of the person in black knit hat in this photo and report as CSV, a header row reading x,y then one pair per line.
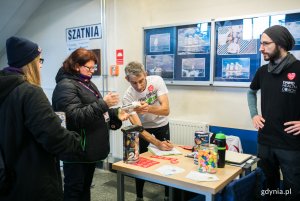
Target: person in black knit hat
x,y
279,123
31,134
21,51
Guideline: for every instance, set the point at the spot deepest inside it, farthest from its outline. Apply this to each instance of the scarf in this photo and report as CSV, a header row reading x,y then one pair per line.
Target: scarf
x,y
283,64
85,78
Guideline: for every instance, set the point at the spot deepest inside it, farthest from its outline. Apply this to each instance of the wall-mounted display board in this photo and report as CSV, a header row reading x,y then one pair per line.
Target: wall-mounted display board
x,y
219,53
179,54
237,54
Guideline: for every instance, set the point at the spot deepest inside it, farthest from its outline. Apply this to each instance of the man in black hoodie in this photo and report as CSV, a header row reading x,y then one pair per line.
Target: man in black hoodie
x,y
279,125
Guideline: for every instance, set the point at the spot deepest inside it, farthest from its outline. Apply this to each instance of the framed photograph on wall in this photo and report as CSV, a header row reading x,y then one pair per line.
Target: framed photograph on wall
x,y
179,54
159,52
237,53
237,43
193,53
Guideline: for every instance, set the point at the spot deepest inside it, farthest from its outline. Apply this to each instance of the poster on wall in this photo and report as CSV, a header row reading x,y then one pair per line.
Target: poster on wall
x,y
179,54
161,65
237,55
192,40
193,67
237,45
231,41
160,42
235,68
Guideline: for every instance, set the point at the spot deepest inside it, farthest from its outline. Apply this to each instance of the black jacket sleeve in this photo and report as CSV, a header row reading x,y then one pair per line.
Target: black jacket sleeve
x,y
45,125
114,123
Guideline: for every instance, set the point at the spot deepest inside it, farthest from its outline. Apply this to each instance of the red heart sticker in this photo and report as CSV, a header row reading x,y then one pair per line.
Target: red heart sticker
x,y
291,76
150,88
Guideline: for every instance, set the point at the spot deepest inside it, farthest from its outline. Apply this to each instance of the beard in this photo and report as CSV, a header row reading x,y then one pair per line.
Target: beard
x,y
273,56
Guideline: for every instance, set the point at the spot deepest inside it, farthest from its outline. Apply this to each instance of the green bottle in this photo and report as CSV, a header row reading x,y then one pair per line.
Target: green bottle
x,y
220,141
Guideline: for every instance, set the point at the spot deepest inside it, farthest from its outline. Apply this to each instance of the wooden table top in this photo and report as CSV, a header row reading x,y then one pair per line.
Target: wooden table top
x,y
226,174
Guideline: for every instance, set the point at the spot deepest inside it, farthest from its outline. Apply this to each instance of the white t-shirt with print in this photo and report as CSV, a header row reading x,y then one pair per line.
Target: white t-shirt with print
x,y
155,88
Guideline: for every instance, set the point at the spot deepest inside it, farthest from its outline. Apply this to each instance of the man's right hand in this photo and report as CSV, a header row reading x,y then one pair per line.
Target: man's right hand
x,y
143,108
165,146
258,121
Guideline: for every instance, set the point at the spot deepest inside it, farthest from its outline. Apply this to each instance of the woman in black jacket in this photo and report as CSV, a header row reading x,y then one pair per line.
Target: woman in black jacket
x,y
88,113
31,134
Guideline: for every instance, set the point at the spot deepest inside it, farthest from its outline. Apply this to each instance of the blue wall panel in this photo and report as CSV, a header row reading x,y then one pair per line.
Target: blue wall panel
x,y
248,137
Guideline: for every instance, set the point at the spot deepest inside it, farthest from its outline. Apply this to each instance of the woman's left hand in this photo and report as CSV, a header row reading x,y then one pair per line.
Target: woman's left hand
x,y
111,99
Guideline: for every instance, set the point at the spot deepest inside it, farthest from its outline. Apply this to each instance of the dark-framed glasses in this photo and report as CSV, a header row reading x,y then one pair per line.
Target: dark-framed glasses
x,y
41,60
94,68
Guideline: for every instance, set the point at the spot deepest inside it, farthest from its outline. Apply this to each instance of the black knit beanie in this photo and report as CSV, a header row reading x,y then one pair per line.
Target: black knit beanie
x,y
281,36
21,51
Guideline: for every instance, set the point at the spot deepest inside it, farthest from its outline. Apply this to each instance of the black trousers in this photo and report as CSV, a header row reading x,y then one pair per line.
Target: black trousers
x,y
271,161
160,133
78,178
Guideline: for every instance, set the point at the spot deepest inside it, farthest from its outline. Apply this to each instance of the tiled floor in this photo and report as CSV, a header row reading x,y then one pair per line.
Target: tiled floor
x,y
105,188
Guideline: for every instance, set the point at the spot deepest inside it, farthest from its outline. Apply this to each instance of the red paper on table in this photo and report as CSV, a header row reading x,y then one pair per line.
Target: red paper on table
x,y
145,163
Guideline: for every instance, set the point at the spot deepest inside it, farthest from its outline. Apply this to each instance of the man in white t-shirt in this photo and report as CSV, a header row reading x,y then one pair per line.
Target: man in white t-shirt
x,y
152,93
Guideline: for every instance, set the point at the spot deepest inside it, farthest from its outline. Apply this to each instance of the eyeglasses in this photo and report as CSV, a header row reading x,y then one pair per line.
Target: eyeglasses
x,y
41,61
265,43
94,68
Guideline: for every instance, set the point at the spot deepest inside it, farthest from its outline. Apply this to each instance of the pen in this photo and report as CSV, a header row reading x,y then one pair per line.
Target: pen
x,y
166,140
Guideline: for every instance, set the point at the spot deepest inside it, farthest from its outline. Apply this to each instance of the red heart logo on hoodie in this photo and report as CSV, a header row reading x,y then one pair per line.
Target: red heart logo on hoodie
x,y
291,76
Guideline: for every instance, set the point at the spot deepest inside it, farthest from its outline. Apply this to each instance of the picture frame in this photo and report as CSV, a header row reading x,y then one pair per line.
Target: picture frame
x,y
179,54
237,43
216,52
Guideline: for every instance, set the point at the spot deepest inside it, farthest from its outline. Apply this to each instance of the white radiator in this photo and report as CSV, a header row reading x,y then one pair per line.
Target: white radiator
x,y
181,132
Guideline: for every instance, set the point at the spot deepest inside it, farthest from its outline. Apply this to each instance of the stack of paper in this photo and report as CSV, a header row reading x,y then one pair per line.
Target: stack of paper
x,y
153,149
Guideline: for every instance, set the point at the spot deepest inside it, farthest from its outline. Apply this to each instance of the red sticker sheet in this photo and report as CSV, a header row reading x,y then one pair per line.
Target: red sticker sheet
x,y
145,163
172,160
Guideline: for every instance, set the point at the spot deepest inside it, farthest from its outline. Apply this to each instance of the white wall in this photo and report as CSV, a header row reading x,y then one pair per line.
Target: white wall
x,y
47,27
221,106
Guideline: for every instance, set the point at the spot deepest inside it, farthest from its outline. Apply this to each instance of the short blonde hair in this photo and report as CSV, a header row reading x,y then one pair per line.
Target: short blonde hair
x,y
32,72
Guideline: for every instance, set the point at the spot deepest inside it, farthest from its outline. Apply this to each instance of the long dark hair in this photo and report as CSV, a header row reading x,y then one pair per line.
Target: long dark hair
x,y
80,56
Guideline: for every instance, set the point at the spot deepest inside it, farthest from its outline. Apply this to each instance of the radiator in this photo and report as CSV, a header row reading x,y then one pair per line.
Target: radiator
x,y
181,132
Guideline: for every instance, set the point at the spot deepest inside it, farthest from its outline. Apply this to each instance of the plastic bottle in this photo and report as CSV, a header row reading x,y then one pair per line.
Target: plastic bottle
x,y
220,141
